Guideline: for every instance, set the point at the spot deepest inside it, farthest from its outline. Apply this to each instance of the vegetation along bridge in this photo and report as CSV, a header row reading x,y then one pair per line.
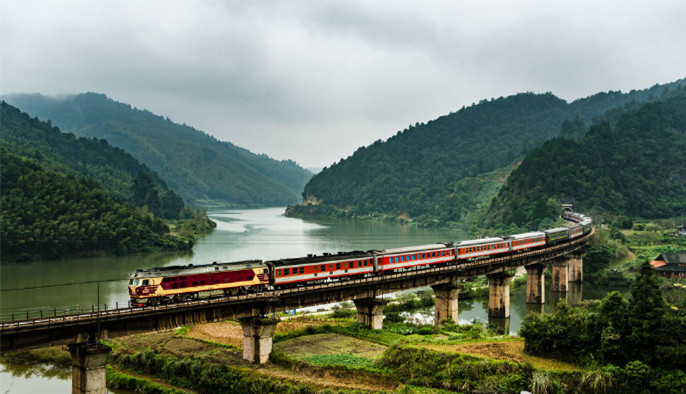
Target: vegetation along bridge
x,y
82,331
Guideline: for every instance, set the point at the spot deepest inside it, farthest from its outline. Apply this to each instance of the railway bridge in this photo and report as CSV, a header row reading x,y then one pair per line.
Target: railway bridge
x,y
82,331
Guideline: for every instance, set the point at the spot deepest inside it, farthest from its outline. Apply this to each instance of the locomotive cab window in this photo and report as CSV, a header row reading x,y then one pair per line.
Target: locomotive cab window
x,y
145,282
130,282
166,279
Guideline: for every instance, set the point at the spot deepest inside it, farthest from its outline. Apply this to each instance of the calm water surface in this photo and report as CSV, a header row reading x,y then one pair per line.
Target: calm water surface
x,y
50,287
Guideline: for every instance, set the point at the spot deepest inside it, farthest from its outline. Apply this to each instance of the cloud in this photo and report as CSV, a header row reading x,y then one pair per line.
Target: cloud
x,y
312,81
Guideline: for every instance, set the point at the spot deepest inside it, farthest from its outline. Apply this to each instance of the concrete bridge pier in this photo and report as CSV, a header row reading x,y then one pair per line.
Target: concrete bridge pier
x,y
499,294
258,334
370,312
560,275
535,284
576,268
88,362
446,302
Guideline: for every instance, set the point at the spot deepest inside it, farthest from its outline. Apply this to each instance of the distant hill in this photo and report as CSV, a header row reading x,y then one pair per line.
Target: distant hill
x,y
202,169
124,177
636,168
46,214
417,172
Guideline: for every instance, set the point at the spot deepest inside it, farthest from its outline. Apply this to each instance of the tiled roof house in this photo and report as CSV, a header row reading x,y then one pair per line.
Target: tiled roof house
x,y
670,265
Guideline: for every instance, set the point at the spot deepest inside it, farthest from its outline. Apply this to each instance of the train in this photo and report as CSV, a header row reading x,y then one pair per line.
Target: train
x,y
173,284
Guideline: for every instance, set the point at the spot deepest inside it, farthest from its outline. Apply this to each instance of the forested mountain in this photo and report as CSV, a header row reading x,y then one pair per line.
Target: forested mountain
x,y
46,214
417,172
199,167
124,177
635,168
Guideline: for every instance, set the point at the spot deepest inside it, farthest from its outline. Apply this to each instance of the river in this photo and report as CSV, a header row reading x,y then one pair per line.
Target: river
x,y
51,287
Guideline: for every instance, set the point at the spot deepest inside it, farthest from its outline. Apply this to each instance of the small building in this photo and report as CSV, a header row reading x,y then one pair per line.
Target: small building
x,y
670,265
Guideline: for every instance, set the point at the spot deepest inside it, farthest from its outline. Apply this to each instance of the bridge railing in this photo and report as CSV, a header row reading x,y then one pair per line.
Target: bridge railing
x,y
86,314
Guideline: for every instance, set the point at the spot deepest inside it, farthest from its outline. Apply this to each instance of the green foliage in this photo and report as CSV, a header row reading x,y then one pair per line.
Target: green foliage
x,y
117,171
195,164
452,371
344,359
634,169
46,214
201,376
54,356
118,380
643,330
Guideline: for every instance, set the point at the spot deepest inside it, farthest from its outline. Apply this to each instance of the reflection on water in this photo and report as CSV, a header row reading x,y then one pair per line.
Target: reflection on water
x,y
477,309
38,378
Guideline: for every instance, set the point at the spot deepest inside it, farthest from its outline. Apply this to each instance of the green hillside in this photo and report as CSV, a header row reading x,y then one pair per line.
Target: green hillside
x,y
124,177
199,167
47,214
635,168
417,172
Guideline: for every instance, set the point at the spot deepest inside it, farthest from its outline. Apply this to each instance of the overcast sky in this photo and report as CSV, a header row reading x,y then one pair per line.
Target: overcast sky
x,y
314,80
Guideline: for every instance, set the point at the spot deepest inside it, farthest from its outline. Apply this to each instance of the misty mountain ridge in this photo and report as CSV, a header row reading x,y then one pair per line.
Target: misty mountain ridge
x,y
416,173
204,170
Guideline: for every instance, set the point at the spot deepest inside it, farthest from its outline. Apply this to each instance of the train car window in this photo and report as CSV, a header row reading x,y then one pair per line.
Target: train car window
x,y
265,271
302,270
145,282
195,283
166,279
202,282
338,266
285,271
323,267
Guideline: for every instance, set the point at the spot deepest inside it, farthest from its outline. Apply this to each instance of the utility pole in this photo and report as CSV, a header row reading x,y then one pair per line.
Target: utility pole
x,y
97,334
